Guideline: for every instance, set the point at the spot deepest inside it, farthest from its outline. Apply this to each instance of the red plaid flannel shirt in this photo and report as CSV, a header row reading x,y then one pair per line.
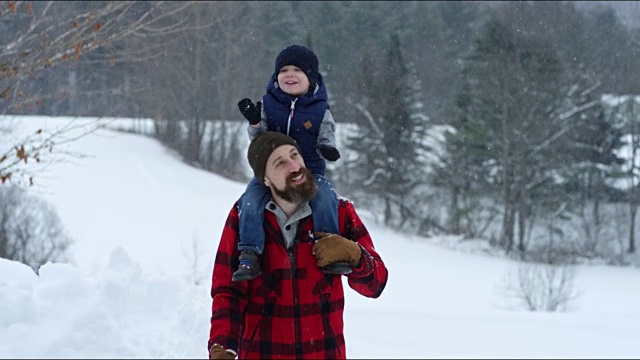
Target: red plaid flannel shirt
x,y
292,310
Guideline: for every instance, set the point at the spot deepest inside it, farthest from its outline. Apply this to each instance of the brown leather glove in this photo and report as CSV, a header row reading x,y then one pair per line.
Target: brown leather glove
x,y
218,352
331,248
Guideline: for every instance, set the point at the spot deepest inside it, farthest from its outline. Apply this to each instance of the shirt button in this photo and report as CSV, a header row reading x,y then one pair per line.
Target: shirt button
x,y
272,206
288,227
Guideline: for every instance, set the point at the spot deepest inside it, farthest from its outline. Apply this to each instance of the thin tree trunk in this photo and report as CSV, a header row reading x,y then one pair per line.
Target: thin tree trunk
x,y
453,210
507,184
632,230
633,196
522,221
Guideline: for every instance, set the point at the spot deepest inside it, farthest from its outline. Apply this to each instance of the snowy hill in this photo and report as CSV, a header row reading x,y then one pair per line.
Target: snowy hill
x,y
146,227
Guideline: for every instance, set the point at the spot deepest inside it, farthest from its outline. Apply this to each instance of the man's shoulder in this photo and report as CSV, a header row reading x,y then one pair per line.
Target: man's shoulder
x,y
235,209
344,202
342,199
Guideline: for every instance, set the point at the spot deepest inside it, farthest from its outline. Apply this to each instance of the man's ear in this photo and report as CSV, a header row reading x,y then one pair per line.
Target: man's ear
x,y
266,182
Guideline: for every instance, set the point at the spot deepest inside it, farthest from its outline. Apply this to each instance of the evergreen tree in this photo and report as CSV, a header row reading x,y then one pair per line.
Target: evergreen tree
x,y
510,124
594,167
389,141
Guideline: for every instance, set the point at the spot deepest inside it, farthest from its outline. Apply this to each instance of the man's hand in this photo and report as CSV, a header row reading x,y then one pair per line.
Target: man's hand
x,y
331,248
251,112
218,352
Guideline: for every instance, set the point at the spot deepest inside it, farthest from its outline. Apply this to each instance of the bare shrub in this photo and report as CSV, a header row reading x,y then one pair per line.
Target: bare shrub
x,y
30,230
542,287
193,254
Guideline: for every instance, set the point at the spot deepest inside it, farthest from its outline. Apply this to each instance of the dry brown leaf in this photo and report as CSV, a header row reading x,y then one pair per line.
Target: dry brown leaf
x,y
21,153
76,54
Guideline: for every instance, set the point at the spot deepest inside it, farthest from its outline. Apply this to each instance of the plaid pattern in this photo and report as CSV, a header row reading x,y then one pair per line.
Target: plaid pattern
x,y
292,310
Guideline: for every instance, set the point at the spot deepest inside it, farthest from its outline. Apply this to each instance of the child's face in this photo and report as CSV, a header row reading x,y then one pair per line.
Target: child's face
x,y
293,81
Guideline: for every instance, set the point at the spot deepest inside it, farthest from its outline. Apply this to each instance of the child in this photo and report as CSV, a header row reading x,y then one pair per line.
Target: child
x,y
295,103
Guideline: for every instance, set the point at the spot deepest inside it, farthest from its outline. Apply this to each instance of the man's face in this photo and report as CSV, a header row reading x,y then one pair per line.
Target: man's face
x,y
287,176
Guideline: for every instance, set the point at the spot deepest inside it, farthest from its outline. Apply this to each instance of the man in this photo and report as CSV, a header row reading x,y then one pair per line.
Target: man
x,y
293,309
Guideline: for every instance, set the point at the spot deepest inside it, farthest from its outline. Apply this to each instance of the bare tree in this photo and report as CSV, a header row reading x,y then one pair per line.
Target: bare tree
x,y
30,230
542,287
624,111
208,72
632,110
38,37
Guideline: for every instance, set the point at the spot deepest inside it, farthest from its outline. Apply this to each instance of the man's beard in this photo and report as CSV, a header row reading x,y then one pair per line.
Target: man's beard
x,y
299,193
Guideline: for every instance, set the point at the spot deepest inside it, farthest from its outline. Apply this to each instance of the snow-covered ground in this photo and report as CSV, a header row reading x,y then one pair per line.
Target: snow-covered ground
x,y
146,227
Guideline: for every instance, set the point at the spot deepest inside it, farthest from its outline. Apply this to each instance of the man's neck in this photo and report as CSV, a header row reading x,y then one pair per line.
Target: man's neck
x,y
288,207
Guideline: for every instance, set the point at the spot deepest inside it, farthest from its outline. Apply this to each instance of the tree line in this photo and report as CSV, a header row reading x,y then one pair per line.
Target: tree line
x,y
484,119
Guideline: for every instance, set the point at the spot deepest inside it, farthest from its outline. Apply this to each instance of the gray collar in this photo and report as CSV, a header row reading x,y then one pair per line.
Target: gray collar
x,y
289,226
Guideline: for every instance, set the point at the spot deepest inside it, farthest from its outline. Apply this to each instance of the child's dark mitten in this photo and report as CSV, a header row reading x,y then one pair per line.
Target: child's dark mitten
x,y
250,111
328,152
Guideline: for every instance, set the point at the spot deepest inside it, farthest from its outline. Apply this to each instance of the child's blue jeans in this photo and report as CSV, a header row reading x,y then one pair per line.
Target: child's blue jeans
x,y
324,206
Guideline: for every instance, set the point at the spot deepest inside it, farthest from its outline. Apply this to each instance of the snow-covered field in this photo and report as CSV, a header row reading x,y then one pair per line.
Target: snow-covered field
x,y
146,227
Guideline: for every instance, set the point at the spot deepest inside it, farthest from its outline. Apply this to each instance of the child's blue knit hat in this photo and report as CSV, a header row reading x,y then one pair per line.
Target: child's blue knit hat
x,y
301,57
